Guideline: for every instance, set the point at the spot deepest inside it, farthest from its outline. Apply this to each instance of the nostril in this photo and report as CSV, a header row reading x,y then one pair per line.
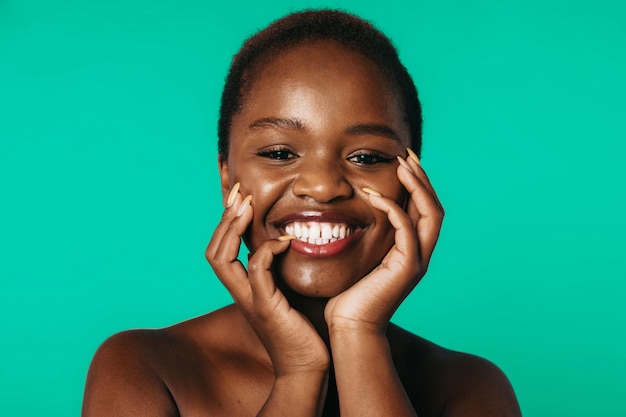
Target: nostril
x,y
323,186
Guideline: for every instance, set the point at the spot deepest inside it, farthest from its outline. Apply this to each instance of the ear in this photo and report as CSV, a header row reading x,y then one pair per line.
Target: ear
x,y
222,163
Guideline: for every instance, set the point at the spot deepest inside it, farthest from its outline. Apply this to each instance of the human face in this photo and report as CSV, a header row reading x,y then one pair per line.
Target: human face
x,y
320,123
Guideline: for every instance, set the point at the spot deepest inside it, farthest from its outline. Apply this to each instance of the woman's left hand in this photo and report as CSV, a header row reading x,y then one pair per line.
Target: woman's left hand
x,y
370,303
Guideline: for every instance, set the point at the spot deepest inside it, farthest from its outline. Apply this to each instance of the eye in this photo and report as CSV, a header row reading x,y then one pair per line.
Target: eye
x,y
369,158
278,153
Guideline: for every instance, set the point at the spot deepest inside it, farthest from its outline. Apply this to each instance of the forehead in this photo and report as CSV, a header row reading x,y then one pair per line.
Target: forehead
x,y
314,59
322,74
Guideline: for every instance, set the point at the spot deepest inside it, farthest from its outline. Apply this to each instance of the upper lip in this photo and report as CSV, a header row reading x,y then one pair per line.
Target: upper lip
x,y
318,216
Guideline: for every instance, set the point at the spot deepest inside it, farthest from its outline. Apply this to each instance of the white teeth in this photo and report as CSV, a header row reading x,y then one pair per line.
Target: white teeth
x,y
314,231
327,231
317,233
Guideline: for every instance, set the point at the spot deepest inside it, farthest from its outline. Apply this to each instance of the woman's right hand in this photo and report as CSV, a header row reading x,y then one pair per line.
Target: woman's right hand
x,y
291,341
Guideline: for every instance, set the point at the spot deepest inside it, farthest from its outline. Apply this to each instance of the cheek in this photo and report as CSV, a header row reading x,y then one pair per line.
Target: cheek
x,y
266,191
261,184
388,184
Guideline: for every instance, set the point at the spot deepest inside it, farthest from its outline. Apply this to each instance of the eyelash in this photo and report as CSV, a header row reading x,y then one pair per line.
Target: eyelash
x,y
278,153
369,158
281,153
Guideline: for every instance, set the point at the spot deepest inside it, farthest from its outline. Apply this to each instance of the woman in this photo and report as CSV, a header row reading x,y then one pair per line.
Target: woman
x,y
317,123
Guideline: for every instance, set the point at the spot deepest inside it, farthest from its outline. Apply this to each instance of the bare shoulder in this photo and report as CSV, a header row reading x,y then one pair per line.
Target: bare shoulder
x,y
447,383
477,388
122,378
197,367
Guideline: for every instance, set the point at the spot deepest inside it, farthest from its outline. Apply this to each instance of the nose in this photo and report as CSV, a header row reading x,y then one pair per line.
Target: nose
x,y
322,181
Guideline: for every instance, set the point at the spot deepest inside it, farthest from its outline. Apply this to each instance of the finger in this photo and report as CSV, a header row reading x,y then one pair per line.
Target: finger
x,y
225,262
418,171
413,166
408,179
428,229
413,181
405,235
414,163
425,211
260,265
229,214
226,240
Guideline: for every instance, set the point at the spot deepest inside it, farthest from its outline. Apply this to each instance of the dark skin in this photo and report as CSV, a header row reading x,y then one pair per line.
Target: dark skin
x,y
309,332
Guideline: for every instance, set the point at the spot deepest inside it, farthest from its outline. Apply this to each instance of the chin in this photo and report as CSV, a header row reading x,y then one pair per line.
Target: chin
x,y
316,278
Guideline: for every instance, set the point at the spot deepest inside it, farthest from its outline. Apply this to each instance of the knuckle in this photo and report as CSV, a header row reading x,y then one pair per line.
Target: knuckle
x,y
413,266
254,267
417,268
265,309
217,262
225,216
438,215
209,253
421,271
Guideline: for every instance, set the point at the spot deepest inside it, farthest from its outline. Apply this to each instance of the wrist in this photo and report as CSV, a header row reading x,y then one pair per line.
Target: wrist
x,y
300,375
341,326
312,370
357,341
300,394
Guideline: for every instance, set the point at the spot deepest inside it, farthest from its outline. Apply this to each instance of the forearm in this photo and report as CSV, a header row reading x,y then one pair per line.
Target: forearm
x,y
367,382
297,395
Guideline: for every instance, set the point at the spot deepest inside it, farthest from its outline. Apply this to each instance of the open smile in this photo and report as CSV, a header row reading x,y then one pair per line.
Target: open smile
x,y
321,234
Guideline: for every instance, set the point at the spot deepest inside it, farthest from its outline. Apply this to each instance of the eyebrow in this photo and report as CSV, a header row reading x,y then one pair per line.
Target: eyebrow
x,y
277,123
375,129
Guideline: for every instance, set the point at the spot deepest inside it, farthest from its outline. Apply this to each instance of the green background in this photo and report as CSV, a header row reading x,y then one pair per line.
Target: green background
x,y
109,189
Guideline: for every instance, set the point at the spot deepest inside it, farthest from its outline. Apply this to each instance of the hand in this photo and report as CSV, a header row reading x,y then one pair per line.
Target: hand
x,y
289,338
370,303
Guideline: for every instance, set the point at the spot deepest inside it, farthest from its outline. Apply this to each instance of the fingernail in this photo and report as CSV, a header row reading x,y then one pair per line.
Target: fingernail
x,y
372,192
244,205
413,155
404,164
285,238
232,194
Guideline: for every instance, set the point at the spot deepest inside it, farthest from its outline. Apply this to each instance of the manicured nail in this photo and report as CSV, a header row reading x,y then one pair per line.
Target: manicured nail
x,y
285,238
372,192
244,205
404,164
413,156
232,194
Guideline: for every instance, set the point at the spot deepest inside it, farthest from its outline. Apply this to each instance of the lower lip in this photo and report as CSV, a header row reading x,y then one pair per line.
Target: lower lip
x,y
323,251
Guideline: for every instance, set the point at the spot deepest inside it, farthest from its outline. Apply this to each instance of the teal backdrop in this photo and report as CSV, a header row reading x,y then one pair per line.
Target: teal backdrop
x,y
109,189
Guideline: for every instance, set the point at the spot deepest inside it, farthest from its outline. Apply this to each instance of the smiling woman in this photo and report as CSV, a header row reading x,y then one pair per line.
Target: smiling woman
x,y
317,121
318,126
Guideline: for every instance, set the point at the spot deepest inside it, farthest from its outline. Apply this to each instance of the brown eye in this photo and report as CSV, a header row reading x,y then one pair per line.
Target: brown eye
x,y
369,158
277,154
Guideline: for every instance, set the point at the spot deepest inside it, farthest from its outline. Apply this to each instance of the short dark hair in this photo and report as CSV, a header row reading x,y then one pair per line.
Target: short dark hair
x,y
309,26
